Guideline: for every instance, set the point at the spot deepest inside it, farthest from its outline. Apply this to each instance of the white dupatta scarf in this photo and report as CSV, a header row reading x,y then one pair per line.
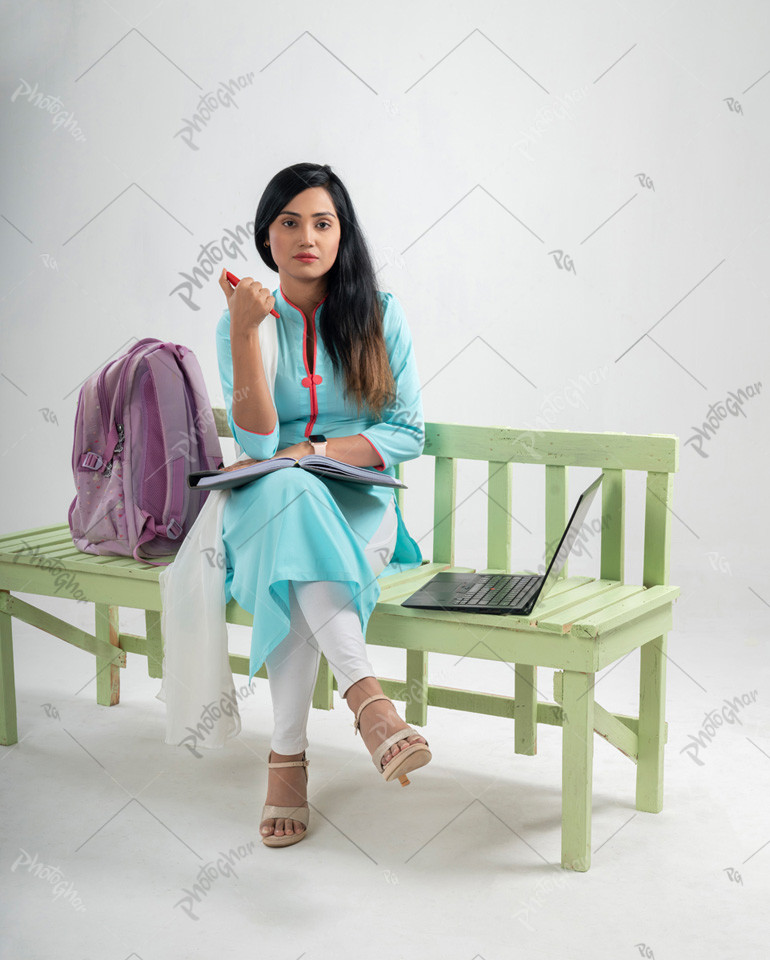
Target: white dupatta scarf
x,y
197,684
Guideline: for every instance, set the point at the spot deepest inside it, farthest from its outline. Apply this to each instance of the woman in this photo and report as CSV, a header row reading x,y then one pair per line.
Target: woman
x,y
304,552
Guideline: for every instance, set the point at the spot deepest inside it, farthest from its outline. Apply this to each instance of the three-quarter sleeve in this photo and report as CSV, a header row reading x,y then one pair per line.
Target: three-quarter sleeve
x,y
258,446
401,433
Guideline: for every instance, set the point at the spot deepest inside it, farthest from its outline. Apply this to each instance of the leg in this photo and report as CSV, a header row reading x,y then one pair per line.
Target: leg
x,y
292,667
291,670
651,730
8,732
577,769
525,709
334,622
107,669
152,619
331,616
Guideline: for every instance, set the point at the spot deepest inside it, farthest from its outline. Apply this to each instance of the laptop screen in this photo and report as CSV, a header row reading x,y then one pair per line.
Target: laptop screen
x,y
570,535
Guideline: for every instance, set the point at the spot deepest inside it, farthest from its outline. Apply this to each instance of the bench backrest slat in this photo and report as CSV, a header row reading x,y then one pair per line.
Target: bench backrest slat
x,y
556,510
657,528
502,447
499,509
444,500
613,524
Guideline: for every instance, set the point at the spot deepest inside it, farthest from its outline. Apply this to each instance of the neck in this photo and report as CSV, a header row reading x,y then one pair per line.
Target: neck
x,y
305,295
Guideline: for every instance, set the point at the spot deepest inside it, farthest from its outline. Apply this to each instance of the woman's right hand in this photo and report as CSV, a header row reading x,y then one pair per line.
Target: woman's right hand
x,y
249,303
241,463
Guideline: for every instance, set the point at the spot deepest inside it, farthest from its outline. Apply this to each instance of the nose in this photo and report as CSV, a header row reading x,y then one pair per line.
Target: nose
x,y
307,235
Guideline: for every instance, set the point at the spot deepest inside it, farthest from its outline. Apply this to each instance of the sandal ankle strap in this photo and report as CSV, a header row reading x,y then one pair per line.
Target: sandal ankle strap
x,y
376,696
290,763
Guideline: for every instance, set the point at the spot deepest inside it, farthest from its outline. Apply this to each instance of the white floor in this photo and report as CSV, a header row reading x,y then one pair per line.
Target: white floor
x,y
462,863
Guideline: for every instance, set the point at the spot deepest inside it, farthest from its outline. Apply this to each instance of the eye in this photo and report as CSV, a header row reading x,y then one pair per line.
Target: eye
x,y
287,222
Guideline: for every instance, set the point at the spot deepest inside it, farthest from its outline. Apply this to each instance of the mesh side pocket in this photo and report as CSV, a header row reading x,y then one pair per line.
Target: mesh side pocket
x,y
100,514
153,475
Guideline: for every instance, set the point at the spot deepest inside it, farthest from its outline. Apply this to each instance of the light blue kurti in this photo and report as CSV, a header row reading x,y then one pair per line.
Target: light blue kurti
x,y
296,525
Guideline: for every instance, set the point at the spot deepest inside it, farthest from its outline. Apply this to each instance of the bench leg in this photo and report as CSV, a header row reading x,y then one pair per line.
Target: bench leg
x,y
154,643
651,730
525,709
577,769
107,671
8,731
416,698
323,692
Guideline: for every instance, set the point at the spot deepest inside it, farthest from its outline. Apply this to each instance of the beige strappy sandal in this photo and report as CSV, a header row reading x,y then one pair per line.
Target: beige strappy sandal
x,y
302,813
410,758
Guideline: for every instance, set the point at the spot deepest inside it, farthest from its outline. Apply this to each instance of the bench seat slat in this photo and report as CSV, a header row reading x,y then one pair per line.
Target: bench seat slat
x,y
399,592
6,538
554,604
55,543
43,541
80,556
562,621
80,562
625,611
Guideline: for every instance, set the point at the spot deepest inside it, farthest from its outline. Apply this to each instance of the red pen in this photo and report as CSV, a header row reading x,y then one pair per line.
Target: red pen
x,y
235,281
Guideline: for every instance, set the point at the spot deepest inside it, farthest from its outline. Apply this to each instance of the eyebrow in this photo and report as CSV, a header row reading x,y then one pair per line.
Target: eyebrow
x,y
324,213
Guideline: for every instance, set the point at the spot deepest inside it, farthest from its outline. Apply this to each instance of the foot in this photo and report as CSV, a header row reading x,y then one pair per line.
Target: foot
x,y
379,719
286,787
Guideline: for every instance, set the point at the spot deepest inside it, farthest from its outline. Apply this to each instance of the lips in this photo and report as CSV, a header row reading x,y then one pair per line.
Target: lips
x,y
305,256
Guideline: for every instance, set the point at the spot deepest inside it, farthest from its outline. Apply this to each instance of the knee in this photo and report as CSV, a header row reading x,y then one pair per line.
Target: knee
x,y
291,481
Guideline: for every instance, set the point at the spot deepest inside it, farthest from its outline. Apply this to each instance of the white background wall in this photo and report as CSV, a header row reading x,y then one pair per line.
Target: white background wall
x,y
475,140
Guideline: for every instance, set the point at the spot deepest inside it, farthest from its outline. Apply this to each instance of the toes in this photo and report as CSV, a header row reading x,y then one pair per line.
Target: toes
x,y
281,827
401,745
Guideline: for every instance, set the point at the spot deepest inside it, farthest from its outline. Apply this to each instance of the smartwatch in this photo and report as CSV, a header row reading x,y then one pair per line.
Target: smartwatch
x,y
318,441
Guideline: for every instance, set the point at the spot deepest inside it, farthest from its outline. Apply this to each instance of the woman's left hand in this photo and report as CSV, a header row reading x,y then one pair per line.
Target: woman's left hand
x,y
296,450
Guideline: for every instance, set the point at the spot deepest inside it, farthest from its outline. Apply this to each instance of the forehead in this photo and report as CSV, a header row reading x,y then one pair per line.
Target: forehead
x,y
313,201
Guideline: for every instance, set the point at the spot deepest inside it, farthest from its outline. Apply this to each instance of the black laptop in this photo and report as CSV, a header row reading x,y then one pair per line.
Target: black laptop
x,y
502,592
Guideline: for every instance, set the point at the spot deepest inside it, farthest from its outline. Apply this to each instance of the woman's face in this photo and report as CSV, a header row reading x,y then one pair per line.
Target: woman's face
x,y
308,224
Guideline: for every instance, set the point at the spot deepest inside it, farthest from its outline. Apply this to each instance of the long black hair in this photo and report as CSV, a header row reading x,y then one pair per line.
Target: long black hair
x,y
351,319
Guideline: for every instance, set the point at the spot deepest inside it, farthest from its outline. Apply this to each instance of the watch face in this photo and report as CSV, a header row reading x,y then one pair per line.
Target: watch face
x,y
316,438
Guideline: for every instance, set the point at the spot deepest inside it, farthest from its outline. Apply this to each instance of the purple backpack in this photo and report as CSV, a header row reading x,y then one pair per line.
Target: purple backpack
x,y
142,424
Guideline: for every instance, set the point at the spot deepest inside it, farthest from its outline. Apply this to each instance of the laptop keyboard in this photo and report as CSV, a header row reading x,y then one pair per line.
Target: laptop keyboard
x,y
498,590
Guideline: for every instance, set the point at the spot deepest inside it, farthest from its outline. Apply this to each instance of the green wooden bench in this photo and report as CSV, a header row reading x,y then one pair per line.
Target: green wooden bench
x,y
582,626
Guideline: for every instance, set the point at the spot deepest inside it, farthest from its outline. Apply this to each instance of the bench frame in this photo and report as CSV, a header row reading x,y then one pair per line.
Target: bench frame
x,y
581,627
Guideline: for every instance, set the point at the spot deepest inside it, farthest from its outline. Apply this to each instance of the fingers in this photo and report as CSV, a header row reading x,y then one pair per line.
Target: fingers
x,y
245,281
249,296
224,283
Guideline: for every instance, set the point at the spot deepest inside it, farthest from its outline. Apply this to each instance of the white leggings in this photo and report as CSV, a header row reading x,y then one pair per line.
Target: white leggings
x,y
323,618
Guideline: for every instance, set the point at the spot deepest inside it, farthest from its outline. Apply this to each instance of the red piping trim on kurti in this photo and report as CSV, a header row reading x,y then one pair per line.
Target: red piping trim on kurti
x,y
255,432
375,450
312,378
